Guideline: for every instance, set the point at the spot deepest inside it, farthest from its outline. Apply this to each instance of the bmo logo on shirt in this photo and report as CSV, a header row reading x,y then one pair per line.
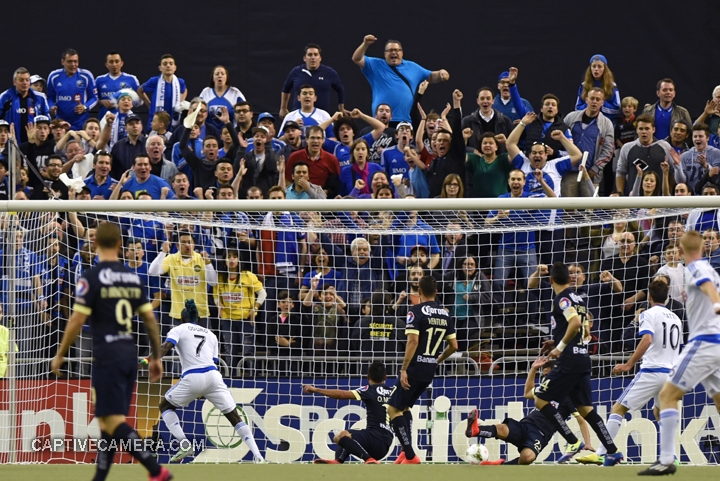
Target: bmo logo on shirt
x,y
64,98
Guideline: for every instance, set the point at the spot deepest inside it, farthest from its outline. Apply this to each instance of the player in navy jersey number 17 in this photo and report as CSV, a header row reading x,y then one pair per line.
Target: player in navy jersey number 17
x,y
109,295
428,324
570,378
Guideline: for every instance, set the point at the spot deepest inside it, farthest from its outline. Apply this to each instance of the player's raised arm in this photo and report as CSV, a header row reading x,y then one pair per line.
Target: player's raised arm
x,y
574,325
72,331
331,393
532,374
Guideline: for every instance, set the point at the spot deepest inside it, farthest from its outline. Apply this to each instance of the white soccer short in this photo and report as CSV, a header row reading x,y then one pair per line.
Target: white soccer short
x,y
643,388
698,363
209,385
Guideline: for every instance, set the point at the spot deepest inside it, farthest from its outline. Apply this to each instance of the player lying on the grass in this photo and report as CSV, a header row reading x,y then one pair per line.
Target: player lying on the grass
x,y
373,442
570,378
427,325
109,295
661,335
533,432
700,360
198,351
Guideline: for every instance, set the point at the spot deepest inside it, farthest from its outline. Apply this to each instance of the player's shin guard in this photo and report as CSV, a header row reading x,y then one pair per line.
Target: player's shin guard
x,y
402,432
244,432
489,431
409,420
613,426
106,455
669,419
341,454
597,425
354,447
554,417
134,447
173,423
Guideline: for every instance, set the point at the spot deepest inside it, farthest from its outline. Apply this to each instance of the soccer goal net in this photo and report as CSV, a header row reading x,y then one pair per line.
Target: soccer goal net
x,y
332,289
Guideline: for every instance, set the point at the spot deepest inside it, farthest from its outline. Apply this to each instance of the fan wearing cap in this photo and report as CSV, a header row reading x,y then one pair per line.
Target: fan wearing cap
x,y
112,124
267,120
345,131
125,150
392,159
38,84
114,81
20,104
598,74
39,146
71,91
504,103
307,115
257,167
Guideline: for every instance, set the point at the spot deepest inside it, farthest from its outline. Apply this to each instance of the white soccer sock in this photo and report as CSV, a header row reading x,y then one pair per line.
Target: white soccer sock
x,y
669,419
173,423
244,431
613,426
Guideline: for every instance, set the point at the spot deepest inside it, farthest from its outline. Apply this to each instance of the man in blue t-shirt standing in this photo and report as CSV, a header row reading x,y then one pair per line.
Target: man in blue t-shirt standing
x,y
71,91
394,81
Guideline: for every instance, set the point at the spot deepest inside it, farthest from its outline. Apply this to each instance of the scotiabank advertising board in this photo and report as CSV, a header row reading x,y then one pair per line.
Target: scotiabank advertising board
x,y
55,423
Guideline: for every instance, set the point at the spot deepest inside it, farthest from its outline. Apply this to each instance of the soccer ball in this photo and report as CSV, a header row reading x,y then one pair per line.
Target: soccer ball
x,y
476,453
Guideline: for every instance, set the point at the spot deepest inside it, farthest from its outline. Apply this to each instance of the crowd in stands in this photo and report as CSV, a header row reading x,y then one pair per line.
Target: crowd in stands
x,y
324,284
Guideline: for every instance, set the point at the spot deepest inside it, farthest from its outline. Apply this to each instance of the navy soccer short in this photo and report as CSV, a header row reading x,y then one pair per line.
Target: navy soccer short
x,y
560,384
524,434
401,399
377,444
113,382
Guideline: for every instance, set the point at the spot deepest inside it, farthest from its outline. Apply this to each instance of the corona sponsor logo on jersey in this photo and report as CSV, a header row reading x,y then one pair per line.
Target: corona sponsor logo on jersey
x,y
109,277
429,311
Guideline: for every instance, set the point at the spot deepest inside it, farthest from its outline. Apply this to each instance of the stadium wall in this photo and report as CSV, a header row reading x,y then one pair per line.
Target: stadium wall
x,y
260,42
290,426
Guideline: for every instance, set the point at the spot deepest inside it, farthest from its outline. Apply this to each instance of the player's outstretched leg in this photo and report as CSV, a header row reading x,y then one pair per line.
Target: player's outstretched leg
x,y
245,433
106,455
130,438
474,429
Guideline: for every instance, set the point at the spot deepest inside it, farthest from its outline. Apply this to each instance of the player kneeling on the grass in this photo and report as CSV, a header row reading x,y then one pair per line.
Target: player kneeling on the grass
x,y
428,323
570,378
198,351
700,360
533,432
109,294
661,335
373,442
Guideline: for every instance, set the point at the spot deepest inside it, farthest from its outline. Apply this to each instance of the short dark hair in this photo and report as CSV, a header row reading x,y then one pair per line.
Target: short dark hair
x,y
560,274
646,118
210,137
376,372
306,86
658,291
108,235
284,294
56,157
68,52
102,153
167,55
243,102
380,105
224,160
665,80
710,185
298,164
312,45
552,97
393,41
427,286
701,126
184,233
112,52
492,92
140,156
225,186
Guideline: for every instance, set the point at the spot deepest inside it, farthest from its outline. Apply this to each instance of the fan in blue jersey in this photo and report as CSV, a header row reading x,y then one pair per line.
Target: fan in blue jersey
x,y
345,132
220,94
108,295
164,92
109,84
321,77
392,159
71,91
20,104
393,80
373,442
307,115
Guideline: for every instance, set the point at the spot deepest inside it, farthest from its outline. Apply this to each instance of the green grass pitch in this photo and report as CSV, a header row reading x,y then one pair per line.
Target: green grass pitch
x,y
348,472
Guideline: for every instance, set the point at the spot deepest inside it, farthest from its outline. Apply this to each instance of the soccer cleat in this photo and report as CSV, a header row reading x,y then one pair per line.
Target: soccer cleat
x,y
164,475
472,429
259,461
570,451
494,462
372,461
676,462
400,458
182,452
613,459
326,461
658,469
591,458
415,460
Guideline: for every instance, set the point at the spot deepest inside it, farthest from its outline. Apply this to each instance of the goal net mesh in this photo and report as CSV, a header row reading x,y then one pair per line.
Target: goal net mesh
x,y
338,290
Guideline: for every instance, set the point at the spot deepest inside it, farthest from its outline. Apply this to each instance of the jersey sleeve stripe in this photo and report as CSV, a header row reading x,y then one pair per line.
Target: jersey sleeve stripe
x,y
171,341
412,331
642,333
356,394
82,309
699,282
450,336
147,307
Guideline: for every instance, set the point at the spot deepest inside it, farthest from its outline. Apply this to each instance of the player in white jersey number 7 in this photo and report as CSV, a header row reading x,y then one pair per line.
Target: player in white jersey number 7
x,y
700,360
198,351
